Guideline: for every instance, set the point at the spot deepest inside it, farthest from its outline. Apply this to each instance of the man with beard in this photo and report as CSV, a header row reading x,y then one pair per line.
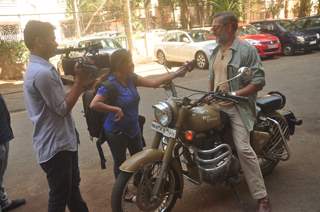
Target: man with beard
x,y
231,54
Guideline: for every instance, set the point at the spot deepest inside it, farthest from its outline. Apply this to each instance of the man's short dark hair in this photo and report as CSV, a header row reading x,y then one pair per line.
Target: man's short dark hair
x,y
228,18
35,29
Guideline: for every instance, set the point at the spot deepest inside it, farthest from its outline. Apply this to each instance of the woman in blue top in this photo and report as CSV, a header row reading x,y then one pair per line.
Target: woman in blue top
x,y
121,125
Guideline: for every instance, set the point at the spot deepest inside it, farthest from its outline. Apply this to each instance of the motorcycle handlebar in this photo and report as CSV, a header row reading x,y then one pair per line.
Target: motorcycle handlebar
x,y
238,98
221,96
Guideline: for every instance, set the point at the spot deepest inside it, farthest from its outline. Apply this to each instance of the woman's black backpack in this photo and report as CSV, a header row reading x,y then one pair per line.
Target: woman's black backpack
x,y
95,119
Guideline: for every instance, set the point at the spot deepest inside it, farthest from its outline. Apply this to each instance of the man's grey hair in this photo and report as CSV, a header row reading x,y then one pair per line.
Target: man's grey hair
x,y
227,18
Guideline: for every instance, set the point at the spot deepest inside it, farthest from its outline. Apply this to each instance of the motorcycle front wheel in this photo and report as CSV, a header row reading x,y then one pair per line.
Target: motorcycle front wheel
x,y
133,191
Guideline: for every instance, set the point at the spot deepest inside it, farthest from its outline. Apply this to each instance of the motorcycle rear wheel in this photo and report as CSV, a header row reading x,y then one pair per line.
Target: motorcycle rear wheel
x,y
140,184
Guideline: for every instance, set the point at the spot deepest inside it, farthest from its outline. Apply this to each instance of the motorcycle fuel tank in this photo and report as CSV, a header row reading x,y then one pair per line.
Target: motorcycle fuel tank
x,y
202,118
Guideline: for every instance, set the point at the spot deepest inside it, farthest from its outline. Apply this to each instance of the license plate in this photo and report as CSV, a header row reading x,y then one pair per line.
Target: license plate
x,y
272,46
168,132
313,42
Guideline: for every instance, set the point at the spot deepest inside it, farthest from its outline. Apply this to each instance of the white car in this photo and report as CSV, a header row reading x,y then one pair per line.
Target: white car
x,y
180,46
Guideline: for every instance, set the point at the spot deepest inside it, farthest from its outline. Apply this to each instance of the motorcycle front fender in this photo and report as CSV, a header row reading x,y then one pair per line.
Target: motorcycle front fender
x,y
138,160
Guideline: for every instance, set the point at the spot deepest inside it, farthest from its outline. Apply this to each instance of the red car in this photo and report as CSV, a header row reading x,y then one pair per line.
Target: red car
x,y
266,44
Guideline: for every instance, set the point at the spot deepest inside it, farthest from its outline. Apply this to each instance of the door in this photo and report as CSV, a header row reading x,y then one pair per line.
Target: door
x,y
184,47
168,44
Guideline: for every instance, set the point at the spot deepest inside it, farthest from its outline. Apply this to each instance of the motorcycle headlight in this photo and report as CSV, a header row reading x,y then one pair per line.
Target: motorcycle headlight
x,y
300,39
163,113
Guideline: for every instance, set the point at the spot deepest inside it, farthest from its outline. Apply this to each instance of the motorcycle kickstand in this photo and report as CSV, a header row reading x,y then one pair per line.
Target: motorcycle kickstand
x,y
237,196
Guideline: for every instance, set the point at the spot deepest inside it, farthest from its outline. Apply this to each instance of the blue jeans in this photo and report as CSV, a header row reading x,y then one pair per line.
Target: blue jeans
x,y
63,177
119,143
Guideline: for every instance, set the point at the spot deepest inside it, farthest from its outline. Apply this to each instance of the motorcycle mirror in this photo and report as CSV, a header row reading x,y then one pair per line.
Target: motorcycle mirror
x,y
246,71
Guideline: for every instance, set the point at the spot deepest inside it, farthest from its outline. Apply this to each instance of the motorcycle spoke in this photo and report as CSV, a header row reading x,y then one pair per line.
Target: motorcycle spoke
x,y
146,182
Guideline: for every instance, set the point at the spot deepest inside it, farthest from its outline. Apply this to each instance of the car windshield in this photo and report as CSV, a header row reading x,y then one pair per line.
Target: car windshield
x,y
112,44
287,25
248,30
312,22
199,35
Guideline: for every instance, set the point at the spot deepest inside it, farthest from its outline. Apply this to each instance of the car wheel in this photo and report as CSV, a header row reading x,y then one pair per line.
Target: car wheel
x,y
161,57
308,51
201,60
288,50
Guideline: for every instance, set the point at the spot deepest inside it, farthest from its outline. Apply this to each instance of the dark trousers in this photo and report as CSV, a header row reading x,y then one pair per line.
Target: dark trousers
x,y
4,152
119,143
64,179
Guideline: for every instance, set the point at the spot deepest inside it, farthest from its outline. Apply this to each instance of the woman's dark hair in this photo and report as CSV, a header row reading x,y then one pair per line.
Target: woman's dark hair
x,y
36,29
228,18
117,59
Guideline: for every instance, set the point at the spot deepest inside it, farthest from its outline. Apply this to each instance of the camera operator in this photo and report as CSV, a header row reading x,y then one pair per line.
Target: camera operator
x,y
55,138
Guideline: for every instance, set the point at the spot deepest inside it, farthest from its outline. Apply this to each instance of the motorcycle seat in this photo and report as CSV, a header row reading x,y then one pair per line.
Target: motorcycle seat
x,y
270,103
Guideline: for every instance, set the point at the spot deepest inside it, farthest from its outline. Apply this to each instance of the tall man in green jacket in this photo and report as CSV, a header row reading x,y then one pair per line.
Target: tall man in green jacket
x,y
231,54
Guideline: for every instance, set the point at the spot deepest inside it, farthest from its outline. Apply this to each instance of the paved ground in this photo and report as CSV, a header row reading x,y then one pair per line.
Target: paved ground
x,y
293,187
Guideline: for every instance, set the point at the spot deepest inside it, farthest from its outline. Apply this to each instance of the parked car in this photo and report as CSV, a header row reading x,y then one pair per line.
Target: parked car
x,y
108,45
158,32
292,39
109,34
267,45
180,46
310,24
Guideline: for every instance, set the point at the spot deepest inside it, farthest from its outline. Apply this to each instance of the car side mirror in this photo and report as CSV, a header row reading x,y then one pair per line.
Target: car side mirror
x,y
185,40
270,27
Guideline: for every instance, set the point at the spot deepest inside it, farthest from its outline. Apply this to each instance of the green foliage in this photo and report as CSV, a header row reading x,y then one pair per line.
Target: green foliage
x,y
13,55
226,5
14,51
275,7
88,7
302,8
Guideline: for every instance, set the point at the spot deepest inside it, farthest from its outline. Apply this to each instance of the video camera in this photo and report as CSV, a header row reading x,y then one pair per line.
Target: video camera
x,y
91,60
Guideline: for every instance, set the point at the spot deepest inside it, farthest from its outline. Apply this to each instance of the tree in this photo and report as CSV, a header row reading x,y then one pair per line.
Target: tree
x,y
226,5
13,56
304,8
76,19
286,8
275,8
128,23
86,12
164,4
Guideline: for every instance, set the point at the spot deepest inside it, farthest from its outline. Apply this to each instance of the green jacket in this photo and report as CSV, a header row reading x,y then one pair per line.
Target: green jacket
x,y
243,54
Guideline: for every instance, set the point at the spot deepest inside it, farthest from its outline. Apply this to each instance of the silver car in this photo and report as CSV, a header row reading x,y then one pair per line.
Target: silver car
x,y
180,46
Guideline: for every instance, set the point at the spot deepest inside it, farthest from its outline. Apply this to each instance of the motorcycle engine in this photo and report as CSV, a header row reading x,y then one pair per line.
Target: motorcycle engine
x,y
214,157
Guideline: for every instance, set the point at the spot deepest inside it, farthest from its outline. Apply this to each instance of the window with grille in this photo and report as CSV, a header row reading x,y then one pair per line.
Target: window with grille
x,y
9,32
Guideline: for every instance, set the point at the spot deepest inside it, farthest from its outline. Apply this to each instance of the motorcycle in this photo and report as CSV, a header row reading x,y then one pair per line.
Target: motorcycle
x,y
193,140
